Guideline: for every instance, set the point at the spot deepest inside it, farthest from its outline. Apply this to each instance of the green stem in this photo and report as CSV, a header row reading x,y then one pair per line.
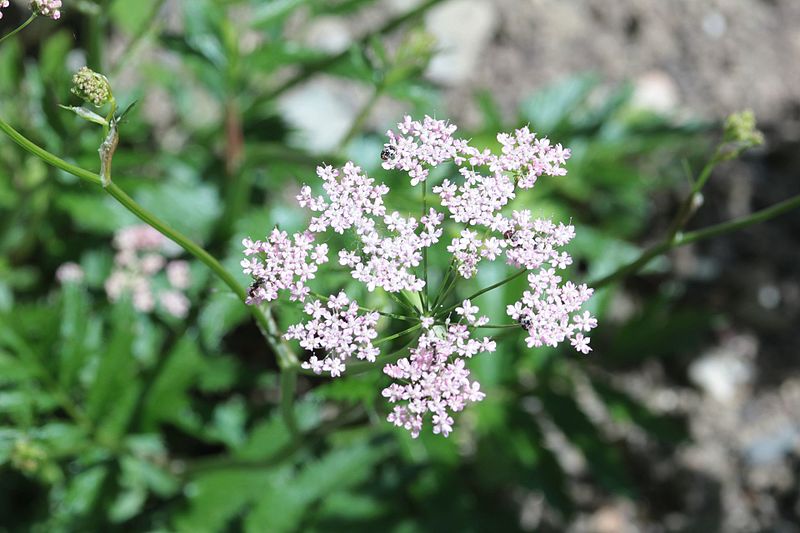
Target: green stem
x,y
288,387
368,310
18,28
446,290
694,236
512,277
439,296
403,301
690,204
426,306
323,64
361,118
496,326
396,335
146,28
95,35
359,367
143,214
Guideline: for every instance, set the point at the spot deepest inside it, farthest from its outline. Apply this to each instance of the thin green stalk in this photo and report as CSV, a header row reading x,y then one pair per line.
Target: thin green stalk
x,y
95,36
496,326
147,217
403,301
510,278
733,225
689,205
325,63
426,306
443,287
368,310
359,367
18,28
146,28
361,117
397,335
446,290
288,387
694,236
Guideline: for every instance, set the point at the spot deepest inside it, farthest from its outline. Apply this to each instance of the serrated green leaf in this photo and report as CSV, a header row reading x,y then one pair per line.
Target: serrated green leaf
x,y
550,107
168,397
112,393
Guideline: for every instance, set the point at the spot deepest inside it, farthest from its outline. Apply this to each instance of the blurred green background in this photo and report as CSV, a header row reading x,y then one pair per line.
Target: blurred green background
x,y
684,417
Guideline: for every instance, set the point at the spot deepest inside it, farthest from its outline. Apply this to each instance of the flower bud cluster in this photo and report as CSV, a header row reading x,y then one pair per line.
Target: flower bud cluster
x,y
142,254
92,87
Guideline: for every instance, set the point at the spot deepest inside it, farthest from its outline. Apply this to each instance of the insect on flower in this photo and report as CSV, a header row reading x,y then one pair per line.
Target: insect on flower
x,y
512,237
388,152
258,283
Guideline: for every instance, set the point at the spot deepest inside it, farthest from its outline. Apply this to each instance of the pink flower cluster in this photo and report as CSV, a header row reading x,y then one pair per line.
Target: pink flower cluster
x,y
434,378
48,8
387,250
282,263
3,5
141,255
337,332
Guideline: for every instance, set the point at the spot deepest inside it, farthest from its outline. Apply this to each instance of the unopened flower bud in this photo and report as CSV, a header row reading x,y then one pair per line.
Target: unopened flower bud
x,y
741,128
91,87
48,8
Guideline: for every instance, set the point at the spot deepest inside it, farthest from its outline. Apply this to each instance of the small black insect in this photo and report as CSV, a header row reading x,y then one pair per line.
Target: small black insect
x,y
525,322
388,152
257,284
512,237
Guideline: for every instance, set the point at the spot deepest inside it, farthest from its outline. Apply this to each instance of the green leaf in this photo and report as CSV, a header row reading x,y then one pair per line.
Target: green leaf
x,y
169,395
191,208
602,457
77,342
94,212
216,497
669,430
86,114
284,506
219,315
550,107
112,394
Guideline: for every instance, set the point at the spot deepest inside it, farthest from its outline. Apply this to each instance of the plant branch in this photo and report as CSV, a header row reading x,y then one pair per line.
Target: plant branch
x,y
148,27
322,64
510,278
694,236
146,216
17,29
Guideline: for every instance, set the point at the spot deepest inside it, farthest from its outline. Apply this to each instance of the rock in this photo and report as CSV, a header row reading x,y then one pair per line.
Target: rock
x,y
462,29
724,371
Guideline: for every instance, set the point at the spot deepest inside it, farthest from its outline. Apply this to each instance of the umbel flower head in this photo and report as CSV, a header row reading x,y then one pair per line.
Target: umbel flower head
x,y
48,8
91,87
387,250
3,4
